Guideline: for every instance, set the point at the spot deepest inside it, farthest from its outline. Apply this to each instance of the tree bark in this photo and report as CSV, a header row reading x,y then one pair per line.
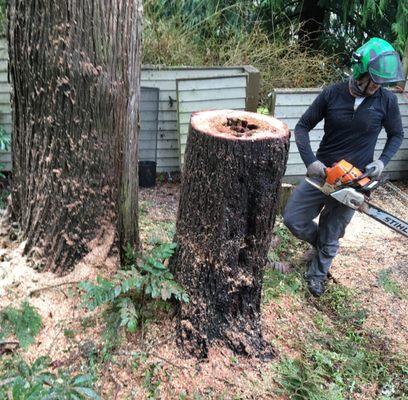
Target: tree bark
x,y
234,163
75,71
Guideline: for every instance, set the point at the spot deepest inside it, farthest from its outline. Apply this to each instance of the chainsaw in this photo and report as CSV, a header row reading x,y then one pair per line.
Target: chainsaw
x,y
349,186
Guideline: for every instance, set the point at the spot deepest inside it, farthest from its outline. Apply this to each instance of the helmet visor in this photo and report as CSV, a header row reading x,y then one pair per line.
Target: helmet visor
x,y
386,68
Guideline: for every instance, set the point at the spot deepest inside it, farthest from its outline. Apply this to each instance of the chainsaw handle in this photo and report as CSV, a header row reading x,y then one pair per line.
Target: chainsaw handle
x,y
367,172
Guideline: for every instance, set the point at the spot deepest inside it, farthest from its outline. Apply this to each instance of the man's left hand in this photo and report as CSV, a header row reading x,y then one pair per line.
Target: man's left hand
x,y
375,168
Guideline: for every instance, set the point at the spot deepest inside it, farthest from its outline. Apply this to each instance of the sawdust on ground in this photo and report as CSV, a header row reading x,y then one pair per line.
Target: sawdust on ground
x,y
367,248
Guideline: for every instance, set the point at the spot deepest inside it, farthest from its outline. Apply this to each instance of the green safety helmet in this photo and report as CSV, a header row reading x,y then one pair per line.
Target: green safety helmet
x,y
380,60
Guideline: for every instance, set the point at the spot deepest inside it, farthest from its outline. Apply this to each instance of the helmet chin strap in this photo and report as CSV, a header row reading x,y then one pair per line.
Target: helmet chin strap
x,y
366,87
355,89
358,90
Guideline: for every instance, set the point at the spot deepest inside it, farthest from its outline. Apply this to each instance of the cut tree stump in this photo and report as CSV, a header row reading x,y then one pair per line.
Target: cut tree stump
x,y
285,193
234,163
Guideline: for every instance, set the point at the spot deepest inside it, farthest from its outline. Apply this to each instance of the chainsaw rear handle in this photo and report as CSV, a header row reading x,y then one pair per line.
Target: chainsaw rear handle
x,y
367,172
344,174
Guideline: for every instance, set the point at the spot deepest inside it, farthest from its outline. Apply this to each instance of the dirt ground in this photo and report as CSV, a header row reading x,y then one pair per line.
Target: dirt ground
x,y
149,365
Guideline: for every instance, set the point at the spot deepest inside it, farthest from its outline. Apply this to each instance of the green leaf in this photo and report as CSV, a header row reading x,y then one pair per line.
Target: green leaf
x,y
149,269
73,396
132,326
185,298
25,323
87,392
36,392
81,379
40,363
19,388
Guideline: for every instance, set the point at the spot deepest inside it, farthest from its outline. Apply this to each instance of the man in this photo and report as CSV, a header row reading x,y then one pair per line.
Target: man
x,y
354,113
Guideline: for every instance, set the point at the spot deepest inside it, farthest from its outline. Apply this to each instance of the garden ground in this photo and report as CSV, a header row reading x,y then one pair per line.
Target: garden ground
x,y
350,344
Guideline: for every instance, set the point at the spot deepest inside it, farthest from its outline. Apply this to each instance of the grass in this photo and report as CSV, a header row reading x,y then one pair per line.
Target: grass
x,y
276,284
286,247
340,358
339,302
391,286
353,360
301,380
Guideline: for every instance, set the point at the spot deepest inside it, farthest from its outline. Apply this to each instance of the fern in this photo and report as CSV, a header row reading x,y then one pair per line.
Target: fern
x,y
132,292
300,381
128,314
24,323
129,258
35,382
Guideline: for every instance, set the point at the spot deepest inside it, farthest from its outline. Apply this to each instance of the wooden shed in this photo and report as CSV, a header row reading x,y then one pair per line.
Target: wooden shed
x,y
183,90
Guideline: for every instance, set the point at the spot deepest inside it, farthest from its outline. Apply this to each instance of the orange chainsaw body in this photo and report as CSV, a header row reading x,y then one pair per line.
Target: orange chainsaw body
x,y
344,172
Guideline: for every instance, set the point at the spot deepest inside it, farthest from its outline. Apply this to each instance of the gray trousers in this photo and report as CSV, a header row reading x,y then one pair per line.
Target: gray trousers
x,y
305,204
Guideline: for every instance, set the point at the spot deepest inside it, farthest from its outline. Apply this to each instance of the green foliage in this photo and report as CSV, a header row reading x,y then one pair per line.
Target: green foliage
x,y
339,369
275,284
285,243
350,364
346,24
4,140
24,323
231,34
152,380
389,285
130,258
339,301
301,381
21,381
266,35
133,294
4,136
285,247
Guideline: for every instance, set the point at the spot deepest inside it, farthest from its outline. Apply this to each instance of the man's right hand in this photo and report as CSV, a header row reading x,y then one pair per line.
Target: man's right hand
x,y
316,170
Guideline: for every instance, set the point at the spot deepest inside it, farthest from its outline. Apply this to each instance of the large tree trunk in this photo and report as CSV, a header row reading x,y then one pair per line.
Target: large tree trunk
x,y
234,163
75,68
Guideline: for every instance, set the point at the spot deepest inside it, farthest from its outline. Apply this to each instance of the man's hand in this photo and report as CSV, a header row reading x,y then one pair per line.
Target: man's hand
x,y
316,170
375,168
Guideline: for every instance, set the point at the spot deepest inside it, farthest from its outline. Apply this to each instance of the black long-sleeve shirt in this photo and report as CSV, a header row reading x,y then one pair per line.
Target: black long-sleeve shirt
x,y
350,134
